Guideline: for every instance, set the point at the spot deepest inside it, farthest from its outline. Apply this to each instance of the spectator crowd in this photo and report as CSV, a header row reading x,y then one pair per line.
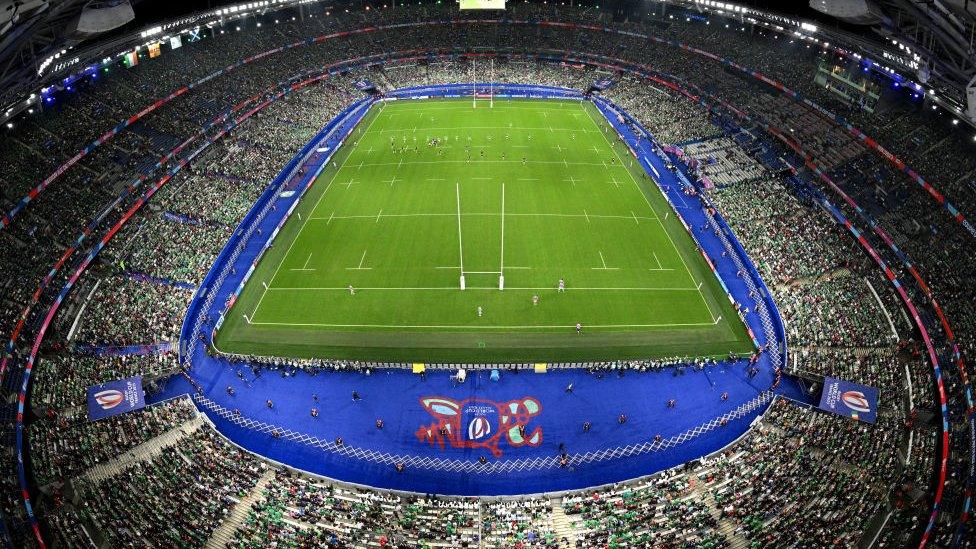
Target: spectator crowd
x,y
800,478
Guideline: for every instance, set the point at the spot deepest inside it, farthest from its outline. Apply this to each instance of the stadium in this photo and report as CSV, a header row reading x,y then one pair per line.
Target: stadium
x,y
649,273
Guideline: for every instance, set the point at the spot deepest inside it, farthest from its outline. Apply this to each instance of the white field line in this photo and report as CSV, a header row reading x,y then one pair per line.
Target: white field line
x,y
511,107
506,128
663,228
501,262
657,260
586,216
360,267
449,327
305,266
475,161
457,192
445,288
258,306
604,267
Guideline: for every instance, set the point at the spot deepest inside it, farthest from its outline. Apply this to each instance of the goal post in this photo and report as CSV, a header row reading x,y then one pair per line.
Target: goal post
x,y
491,79
462,283
501,282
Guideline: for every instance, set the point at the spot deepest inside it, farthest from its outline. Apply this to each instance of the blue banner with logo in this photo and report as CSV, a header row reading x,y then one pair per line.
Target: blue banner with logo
x,y
160,348
115,397
365,86
849,399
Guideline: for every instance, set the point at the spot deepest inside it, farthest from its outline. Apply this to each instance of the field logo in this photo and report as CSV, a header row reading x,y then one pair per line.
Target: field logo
x,y
478,428
109,399
477,423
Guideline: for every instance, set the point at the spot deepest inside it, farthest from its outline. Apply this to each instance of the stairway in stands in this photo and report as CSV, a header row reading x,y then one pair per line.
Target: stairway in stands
x,y
725,526
225,532
562,525
143,452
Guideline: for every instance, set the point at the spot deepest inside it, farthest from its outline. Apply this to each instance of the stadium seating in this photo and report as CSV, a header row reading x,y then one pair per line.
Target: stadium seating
x,y
799,478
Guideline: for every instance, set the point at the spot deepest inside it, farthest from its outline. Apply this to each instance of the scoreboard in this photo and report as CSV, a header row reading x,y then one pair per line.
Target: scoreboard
x,y
482,4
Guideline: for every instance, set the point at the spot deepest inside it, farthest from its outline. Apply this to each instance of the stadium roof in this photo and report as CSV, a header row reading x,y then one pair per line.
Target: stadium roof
x,y
33,31
932,42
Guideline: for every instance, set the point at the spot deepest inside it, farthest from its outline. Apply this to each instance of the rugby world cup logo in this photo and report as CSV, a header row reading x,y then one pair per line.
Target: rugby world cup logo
x,y
109,398
478,428
855,400
477,423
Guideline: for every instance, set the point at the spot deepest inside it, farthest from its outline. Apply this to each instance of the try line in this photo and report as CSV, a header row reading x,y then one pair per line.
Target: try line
x,y
466,328
440,288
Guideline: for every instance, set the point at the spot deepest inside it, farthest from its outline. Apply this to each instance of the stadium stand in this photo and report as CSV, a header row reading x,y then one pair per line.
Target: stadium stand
x,y
798,478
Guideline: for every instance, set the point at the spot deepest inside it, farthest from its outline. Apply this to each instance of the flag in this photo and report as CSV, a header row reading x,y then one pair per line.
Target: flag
x,y
115,397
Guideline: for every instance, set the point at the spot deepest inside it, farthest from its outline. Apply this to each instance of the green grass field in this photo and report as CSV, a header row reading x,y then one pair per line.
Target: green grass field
x,y
535,191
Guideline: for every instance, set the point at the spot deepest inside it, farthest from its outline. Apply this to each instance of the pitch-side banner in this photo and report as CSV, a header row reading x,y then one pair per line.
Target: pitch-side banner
x,y
849,399
115,397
